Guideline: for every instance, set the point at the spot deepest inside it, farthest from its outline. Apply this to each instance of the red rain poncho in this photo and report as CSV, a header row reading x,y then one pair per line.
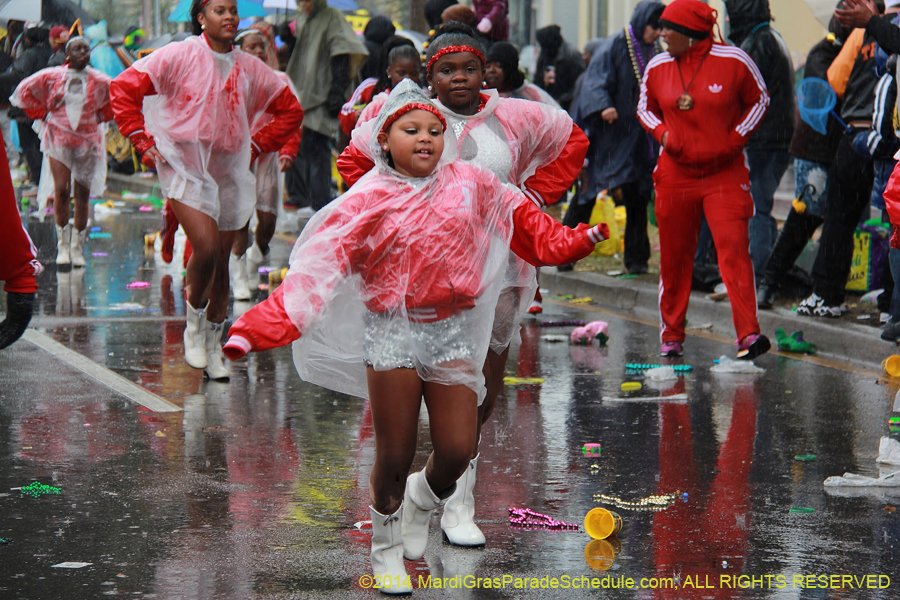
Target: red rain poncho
x,y
396,267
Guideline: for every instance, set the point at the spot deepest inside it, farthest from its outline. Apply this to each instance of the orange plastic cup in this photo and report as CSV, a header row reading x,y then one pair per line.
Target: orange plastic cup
x,y
601,523
891,365
601,554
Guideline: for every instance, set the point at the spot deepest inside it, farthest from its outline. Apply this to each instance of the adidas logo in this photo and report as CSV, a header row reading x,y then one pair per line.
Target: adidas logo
x,y
715,88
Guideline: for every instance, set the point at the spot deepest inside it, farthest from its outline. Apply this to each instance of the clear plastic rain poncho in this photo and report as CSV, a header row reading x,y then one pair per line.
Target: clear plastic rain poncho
x,y
402,272
74,130
201,119
510,138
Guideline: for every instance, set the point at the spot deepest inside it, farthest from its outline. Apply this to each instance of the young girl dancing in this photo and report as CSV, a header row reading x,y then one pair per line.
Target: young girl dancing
x,y
393,287
530,145
72,101
201,99
269,186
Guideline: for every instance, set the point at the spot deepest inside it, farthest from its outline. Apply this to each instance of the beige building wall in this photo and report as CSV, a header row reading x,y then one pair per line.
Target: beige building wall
x,y
580,20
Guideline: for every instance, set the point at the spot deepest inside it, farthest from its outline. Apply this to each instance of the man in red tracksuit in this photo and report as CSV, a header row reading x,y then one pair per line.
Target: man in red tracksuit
x,y
701,100
19,266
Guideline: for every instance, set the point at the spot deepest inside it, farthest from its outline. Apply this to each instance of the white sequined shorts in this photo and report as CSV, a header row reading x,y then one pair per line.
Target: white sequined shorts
x,y
393,342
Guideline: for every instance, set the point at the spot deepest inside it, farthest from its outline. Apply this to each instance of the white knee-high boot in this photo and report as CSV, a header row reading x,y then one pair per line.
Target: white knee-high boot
x,y
195,337
457,521
215,359
419,500
240,284
387,553
77,251
64,245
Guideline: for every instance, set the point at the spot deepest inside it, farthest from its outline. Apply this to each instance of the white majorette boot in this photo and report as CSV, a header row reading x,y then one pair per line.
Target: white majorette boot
x,y
457,522
77,248
215,359
255,258
419,501
387,553
64,245
237,270
195,337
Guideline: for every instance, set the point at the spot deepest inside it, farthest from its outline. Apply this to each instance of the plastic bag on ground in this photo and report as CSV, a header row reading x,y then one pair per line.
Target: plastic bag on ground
x,y
728,365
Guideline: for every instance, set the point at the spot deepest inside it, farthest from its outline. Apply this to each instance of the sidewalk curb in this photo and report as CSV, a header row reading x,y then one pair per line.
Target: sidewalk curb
x,y
837,339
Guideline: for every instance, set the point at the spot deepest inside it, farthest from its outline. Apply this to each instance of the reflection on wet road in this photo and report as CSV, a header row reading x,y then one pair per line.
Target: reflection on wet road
x,y
253,490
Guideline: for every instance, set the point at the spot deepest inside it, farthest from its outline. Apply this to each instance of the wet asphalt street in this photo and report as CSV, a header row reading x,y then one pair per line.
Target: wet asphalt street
x,y
256,488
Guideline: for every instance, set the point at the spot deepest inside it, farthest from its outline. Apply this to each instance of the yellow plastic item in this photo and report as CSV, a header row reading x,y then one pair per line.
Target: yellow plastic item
x,y
600,554
276,276
891,365
799,206
631,386
600,523
522,380
605,212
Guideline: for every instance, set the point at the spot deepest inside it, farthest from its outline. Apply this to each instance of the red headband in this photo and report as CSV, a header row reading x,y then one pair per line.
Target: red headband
x,y
202,4
451,50
410,107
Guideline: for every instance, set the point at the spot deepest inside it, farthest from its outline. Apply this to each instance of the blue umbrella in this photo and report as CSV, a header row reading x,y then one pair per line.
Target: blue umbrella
x,y
246,8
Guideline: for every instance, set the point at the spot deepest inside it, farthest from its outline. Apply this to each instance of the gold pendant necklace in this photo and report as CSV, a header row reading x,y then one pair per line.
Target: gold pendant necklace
x,y
685,101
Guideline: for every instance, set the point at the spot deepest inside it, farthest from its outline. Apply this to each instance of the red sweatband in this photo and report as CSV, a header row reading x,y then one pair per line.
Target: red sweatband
x,y
451,50
410,107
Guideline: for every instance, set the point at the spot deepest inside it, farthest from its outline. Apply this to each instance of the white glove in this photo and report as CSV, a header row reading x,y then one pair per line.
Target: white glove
x,y
485,26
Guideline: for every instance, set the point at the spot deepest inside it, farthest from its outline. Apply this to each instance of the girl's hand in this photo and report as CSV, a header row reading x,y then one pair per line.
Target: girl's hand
x,y
153,157
284,163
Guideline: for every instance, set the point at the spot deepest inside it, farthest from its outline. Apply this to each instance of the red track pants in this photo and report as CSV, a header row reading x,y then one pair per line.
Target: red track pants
x,y
724,198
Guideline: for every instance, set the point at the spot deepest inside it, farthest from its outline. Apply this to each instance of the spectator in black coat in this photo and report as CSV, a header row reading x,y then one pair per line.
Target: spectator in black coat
x,y
558,65
767,150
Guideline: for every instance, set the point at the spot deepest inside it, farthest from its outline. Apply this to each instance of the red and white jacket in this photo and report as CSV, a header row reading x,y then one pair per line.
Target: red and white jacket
x,y
360,98
729,102
411,253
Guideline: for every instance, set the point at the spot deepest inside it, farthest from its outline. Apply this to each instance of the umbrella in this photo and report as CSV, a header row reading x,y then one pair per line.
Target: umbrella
x,y
20,10
246,8
64,12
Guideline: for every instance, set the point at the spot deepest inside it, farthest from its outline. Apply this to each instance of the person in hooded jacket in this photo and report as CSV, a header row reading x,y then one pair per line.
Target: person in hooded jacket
x,y
622,156
558,65
767,149
326,55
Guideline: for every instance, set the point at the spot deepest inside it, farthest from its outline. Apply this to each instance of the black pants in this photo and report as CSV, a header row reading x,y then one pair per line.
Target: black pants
x,y
309,178
31,148
852,176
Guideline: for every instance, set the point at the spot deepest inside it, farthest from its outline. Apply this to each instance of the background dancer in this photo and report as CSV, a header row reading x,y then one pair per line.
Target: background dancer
x,y
73,101
267,169
197,132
